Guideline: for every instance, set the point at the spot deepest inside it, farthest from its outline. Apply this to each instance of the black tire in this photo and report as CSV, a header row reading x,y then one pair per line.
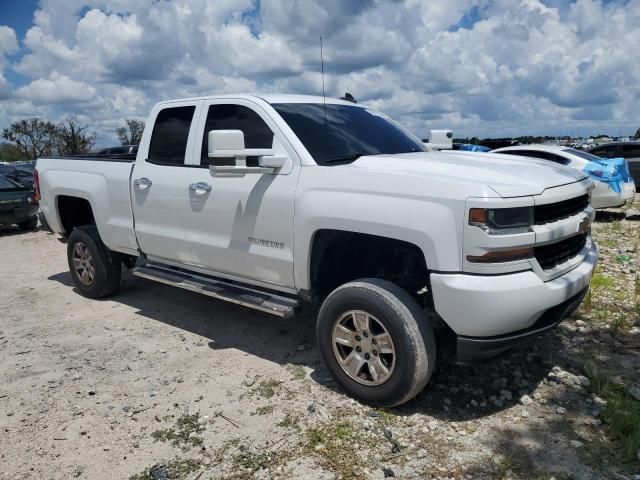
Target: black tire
x,y
30,224
106,264
407,324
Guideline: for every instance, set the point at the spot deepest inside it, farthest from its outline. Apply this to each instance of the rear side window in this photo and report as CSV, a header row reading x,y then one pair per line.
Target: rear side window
x,y
257,133
170,134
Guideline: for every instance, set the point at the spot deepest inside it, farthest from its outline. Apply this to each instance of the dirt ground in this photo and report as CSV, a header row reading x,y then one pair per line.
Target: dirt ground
x,y
159,383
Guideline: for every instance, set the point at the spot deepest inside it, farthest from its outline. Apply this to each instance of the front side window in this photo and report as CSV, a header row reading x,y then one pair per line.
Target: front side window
x,y
338,133
257,133
170,135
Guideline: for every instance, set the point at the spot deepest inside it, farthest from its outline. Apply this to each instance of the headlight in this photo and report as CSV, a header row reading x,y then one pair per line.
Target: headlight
x,y
502,221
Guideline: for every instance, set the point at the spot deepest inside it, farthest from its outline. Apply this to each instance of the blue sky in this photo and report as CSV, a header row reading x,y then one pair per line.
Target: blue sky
x,y
480,67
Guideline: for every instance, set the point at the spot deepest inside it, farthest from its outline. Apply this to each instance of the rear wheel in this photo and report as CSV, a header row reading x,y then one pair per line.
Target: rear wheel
x,y
94,268
376,341
30,224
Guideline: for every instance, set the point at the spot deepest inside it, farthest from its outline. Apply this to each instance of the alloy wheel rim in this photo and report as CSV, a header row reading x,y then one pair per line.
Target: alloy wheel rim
x,y
83,264
363,348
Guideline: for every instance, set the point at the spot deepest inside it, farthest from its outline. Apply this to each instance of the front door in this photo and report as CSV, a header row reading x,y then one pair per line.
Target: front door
x,y
160,184
243,226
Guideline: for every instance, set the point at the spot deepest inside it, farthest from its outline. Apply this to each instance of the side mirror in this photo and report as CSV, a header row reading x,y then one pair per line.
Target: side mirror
x,y
226,143
229,144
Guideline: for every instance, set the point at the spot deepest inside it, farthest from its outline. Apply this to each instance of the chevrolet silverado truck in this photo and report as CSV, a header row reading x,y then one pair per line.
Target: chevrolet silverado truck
x,y
273,201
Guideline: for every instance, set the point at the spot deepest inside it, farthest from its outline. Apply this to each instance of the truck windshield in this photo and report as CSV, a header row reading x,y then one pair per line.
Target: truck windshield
x,y
343,133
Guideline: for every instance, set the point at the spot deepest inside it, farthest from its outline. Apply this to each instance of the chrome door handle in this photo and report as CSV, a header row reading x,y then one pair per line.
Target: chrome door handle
x,y
200,186
142,183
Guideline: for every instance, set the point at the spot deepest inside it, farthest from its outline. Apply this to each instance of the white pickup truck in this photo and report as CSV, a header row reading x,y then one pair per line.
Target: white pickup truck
x,y
272,200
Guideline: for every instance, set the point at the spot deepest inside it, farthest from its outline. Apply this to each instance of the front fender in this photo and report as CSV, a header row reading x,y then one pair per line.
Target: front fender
x,y
435,228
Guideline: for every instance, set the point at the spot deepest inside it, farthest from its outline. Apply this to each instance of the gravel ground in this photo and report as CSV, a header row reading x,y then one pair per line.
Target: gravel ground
x,y
159,383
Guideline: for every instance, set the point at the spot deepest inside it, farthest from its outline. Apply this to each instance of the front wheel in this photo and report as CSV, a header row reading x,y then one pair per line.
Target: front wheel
x,y
376,341
94,268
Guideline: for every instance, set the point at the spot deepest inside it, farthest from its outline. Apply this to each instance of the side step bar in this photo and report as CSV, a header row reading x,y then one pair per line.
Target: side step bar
x,y
274,303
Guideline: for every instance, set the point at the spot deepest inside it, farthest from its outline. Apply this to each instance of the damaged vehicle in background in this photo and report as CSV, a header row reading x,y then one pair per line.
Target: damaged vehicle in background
x,y
613,185
17,205
270,200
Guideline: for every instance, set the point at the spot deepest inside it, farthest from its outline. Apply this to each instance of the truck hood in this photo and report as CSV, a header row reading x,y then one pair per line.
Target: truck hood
x,y
504,174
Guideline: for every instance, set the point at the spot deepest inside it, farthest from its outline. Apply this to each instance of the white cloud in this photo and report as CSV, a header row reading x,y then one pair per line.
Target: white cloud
x,y
8,46
57,88
482,67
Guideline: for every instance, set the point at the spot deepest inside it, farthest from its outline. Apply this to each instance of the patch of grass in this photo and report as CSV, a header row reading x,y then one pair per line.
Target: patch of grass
x,y
315,436
505,464
174,470
385,416
252,461
184,434
267,388
297,371
619,323
290,421
328,443
600,281
266,410
621,414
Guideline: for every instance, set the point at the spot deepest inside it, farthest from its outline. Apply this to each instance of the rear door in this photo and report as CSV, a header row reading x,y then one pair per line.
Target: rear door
x,y
243,226
160,183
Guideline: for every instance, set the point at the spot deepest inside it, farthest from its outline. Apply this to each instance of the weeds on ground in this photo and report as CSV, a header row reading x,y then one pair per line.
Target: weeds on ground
x,y
297,371
267,388
175,470
290,421
600,281
266,410
621,414
330,443
185,433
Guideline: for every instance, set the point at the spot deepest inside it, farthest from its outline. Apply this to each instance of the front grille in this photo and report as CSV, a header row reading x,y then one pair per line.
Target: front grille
x,y
549,256
552,212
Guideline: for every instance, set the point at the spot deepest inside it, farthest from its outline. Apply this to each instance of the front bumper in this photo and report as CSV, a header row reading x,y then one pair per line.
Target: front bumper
x,y
493,306
472,349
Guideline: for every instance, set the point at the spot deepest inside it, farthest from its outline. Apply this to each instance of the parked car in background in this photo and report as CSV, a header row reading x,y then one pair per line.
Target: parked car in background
x,y
613,184
17,205
630,151
20,173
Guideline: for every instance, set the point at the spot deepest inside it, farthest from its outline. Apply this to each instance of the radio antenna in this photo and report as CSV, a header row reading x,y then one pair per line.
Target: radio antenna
x,y
324,97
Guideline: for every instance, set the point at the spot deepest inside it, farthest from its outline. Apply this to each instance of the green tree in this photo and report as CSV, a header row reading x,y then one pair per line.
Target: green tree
x,y
33,137
131,134
72,138
11,153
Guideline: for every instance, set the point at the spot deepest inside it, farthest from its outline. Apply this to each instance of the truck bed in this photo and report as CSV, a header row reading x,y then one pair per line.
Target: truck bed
x,y
101,180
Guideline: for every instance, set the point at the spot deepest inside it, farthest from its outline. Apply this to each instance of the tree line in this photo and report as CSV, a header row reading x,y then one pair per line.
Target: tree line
x,y
31,138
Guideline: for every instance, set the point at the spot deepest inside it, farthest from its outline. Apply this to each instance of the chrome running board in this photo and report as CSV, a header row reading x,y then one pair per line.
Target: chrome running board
x,y
265,301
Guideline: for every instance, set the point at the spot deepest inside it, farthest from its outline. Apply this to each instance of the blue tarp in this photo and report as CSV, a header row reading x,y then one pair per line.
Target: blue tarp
x,y
621,166
605,170
468,147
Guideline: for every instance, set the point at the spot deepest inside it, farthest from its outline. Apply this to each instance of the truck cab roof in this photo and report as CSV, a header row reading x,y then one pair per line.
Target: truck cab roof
x,y
270,98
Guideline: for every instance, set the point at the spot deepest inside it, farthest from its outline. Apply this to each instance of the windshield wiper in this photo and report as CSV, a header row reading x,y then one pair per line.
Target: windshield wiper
x,y
344,158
